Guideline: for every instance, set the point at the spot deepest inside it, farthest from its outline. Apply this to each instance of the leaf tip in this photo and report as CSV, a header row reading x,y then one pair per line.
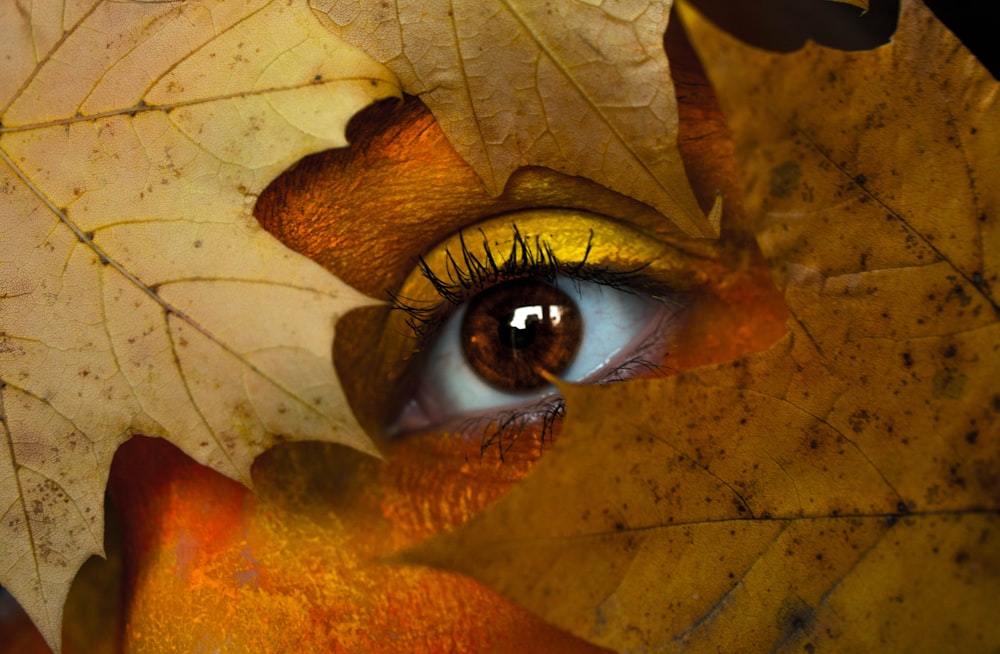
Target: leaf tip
x,y
715,216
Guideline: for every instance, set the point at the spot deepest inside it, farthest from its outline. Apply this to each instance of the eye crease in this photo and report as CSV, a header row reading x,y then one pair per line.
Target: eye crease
x,y
542,295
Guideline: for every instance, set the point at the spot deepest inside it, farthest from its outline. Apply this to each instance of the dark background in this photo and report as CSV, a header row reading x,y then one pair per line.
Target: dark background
x,y
785,25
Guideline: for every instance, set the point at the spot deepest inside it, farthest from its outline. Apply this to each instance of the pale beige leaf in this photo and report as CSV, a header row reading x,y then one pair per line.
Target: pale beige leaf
x,y
580,87
137,292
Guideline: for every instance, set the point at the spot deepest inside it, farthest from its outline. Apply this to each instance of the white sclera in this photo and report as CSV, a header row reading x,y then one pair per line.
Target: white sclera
x,y
616,324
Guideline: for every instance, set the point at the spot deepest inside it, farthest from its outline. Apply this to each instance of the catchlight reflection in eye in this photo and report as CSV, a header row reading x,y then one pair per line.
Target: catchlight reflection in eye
x,y
532,296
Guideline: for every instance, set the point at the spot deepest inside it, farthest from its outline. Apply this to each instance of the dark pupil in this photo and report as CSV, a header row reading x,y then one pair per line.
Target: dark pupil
x,y
515,330
523,325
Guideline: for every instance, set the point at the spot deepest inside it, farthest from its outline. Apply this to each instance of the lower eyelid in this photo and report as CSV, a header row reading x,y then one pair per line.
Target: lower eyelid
x,y
472,404
616,308
651,349
426,410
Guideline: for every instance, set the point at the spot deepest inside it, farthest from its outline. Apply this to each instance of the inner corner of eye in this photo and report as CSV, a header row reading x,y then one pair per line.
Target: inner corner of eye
x,y
515,322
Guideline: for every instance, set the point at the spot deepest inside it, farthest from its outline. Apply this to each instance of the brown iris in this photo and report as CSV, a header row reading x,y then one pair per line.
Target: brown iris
x,y
515,331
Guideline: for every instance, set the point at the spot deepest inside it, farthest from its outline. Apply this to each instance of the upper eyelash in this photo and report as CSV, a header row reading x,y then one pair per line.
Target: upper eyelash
x,y
466,275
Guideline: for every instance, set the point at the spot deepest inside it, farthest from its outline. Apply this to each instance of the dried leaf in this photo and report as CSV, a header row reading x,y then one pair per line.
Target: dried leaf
x,y
137,292
840,491
580,87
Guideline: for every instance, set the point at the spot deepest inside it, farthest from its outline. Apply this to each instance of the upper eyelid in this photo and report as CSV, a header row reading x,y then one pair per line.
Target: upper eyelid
x,y
409,332
440,279
460,287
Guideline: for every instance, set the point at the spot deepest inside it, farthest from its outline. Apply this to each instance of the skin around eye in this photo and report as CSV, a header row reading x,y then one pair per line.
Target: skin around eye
x,y
298,564
538,295
618,327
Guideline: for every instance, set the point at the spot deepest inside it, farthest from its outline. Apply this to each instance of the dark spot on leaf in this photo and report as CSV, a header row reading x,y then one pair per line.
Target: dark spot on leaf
x,y
784,179
859,420
793,614
949,383
860,180
971,437
955,479
950,352
959,292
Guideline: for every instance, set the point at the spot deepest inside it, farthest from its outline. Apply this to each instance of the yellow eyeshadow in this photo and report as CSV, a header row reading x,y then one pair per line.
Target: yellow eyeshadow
x,y
572,237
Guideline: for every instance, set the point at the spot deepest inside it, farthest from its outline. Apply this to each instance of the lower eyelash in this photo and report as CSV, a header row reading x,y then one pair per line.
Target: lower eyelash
x,y
503,431
500,432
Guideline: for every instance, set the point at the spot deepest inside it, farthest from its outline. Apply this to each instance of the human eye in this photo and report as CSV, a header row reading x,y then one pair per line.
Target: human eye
x,y
500,310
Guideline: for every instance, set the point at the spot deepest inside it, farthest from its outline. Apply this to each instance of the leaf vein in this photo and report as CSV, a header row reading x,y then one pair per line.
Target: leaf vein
x,y
48,56
902,219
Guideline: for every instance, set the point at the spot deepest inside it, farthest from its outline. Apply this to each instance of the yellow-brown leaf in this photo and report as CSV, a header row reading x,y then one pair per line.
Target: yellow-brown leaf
x,y
840,491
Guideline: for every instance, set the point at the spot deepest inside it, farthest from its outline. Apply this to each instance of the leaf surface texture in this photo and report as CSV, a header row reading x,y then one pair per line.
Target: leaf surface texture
x,y
838,491
137,292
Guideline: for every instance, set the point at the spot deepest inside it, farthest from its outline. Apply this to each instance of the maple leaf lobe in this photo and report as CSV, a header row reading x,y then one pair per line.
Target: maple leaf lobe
x,y
581,88
131,151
